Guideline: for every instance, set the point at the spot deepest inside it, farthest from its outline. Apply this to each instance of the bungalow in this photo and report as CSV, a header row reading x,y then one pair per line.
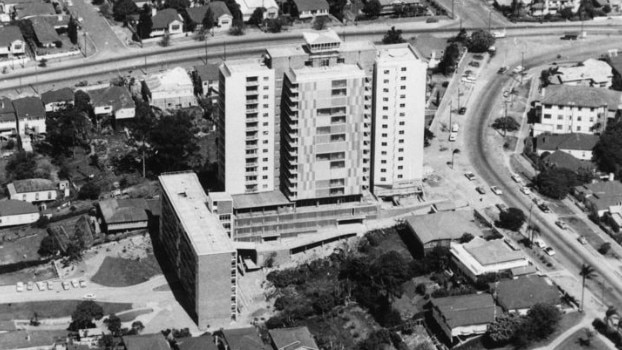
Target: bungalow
x,y
204,342
45,34
14,212
31,115
33,190
296,338
11,41
480,257
464,315
240,339
247,7
207,76
171,89
432,48
601,197
438,230
154,341
8,120
118,215
114,100
560,159
519,295
221,15
311,8
577,145
55,100
34,9
167,21
591,72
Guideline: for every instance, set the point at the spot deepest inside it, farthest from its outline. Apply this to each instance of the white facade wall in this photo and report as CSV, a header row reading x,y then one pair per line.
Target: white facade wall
x,y
100,110
312,13
8,126
224,23
246,127
399,117
32,124
566,119
55,106
125,113
36,196
20,219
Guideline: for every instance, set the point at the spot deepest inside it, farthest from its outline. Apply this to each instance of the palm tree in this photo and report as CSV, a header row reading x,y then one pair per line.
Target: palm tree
x,y
456,151
587,272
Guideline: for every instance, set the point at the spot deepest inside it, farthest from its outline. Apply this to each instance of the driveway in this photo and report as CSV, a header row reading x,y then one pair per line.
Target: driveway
x,y
97,28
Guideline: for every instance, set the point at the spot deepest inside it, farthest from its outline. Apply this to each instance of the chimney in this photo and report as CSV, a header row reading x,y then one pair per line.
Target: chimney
x,y
153,11
611,177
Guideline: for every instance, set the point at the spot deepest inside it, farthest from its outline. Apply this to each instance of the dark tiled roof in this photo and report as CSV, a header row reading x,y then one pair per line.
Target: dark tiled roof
x,y
244,339
616,63
197,13
7,111
29,107
561,159
208,72
573,141
44,32
14,207
525,292
35,9
60,95
115,211
116,96
146,342
205,342
581,96
163,18
465,310
33,185
9,34
293,338
310,5
219,9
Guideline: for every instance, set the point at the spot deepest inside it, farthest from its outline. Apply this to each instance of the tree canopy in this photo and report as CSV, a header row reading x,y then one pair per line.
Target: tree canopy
x,y
174,144
480,41
21,165
511,219
257,16
67,129
607,152
89,190
145,22
506,124
48,246
208,19
556,183
84,314
72,30
450,58
372,8
113,322
123,8
179,5
393,36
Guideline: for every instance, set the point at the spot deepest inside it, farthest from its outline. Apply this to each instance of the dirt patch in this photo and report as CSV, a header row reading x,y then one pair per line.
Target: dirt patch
x,y
131,315
119,272
46,309
39,273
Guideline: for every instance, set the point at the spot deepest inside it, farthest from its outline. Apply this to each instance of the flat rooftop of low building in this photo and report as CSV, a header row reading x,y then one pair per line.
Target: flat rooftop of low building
x,y
441,226
220,196
262,199
491,252
188,199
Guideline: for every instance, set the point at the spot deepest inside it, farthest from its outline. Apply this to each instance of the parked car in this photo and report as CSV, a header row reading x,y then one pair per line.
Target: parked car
x,y
582,240
431,20
50,285
478,57
65,285
518,69
474,64
516,178
503,69
496,190
462,110
502,207
545,208
469,175
455,127
480,190
561,224
82,284
550,251
19,287
74,283
526,191
89,296
539,243
453,136
31,285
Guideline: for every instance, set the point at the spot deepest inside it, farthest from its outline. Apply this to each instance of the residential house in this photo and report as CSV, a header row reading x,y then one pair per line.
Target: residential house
x,y
519,295
33,190
247,7
311,8
578,145
167,21
29,10
8,8
560,159
591,72
45,34
431,48
241,339
204,342
207,76
567,109
58,22
8,119
464,315
221,15
433,230
113,100
89,337
195,17
615,61
30,113
119,215
171,89
55,100
296,338
155,341
16,212
11,41
601,197
391,6
480,257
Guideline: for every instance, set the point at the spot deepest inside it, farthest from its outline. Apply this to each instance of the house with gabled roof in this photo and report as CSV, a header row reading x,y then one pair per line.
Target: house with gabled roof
x,y
14,212
167,21
33,190
576,144
8,118
519,295
311,8
113,100
123,214
464,315
221,15
241,339
247,7
30,113
295,338
55,100
11,41
45,34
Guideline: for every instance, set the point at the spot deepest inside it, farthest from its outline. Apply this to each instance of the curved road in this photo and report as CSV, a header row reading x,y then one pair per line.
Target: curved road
x,y
482,157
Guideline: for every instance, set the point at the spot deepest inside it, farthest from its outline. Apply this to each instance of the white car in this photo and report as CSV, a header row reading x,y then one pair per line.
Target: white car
x,y
518,69
455,127
74,283
526,191
82,284
469,175
539,243
516,178
89,296
550,251
561,224
582,240
19,287
496,190
453,136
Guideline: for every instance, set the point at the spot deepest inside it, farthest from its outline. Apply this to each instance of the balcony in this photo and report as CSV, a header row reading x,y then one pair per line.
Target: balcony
x,y
254,100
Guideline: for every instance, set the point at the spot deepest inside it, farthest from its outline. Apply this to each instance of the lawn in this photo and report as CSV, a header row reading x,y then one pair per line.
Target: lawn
x,y
131,315
19,339
21,249
118,272
572,343
46,309
39,273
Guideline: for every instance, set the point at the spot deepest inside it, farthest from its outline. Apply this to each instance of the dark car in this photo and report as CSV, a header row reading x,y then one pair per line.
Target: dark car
x,y
462,111
480,190
474,64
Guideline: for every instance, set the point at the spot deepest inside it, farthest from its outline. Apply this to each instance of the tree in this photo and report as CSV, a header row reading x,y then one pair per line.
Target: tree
x,y
607,152
372,8
604,248
84,314
174,144
274,25
556,182
606,8
566,13
587,272
105,10
506,124
141,126
466,238
503,330
208,19
72,30
511,219
113,322
67,129
21,165
123,8
179,5
137,327
453,154
335,8
145,22
461,38
450,58
608,319
320,22
256,18
480,41
541,321
166,40
427,137
393,36
48,246
89,190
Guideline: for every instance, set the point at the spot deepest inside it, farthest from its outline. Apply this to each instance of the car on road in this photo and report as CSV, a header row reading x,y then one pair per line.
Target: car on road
x,y
74,283
31,285
582,240
526,191
89,296
462,111
65,285
82,284
474,64
516,178
561,224
478,57
545,208
50,285
550,251
455,127
41,286
19,287
502,207
469,175
496,190
539,243
480,190
453,136
503,69
431,20
467,73
518,69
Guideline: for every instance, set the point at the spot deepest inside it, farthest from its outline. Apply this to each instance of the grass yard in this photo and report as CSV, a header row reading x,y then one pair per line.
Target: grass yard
x,y
14,250
347,328
118,272
18,339
56,309
131,315
572,343
40,273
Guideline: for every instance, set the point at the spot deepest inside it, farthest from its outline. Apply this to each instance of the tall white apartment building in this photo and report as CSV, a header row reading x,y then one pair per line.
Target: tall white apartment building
x,y
398,120
246,127
322,132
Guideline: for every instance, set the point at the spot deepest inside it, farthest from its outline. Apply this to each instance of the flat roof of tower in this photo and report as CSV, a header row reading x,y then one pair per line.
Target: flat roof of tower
x,y
331,72
397,52
188,199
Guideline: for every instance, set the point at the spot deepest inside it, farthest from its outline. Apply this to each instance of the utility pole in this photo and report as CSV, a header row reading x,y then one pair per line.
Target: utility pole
x,y
452,9
522,64
458,97
85,46
206,50
450,108
489,20
505,130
